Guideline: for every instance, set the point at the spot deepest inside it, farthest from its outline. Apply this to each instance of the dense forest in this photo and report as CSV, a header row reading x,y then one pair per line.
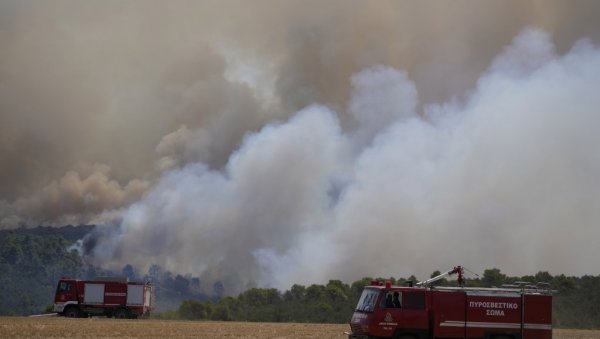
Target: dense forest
x,y
576,301
32,261
31,265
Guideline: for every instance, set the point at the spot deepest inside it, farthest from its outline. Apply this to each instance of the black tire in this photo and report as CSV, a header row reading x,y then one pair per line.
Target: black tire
x,y
72,312
121,313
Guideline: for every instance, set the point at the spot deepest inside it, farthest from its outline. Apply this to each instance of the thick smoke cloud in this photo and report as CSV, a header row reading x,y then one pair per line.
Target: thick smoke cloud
x,y
86,84
278,143
71,197
273,189
505,178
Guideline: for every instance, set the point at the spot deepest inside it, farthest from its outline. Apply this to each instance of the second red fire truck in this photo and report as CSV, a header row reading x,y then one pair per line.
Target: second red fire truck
x,y
427,311
111,297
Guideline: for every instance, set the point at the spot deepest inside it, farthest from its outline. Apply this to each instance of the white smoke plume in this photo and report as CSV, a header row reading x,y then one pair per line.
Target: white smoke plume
x,y
504,179
276,144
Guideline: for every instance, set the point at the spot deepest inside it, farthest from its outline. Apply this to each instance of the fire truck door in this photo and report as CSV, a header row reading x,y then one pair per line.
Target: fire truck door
x,y
414,316
386,317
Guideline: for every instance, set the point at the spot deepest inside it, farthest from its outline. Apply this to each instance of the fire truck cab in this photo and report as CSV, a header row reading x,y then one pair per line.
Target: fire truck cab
x,y
452,312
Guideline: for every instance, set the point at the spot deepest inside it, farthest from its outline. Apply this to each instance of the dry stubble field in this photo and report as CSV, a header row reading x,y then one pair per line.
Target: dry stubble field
x,y
58,327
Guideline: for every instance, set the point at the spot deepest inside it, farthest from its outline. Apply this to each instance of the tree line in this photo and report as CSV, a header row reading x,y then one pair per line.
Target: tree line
x,y
31,263
32,260
30,267
576,300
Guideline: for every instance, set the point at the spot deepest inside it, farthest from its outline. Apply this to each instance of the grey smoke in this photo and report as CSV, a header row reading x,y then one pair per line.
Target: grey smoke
x,y
504,179
277,143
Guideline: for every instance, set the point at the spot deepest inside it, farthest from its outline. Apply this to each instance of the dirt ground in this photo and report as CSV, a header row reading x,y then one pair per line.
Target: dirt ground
x,y
58,327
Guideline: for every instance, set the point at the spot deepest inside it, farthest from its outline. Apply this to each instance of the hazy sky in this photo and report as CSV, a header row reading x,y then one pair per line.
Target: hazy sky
x,y
272,142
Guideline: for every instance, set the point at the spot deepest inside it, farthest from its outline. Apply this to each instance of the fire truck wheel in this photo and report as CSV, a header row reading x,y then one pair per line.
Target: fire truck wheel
x,y
72,312
121,314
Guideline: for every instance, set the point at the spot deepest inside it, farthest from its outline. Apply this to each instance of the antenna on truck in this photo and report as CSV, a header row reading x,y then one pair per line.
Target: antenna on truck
x,y
456,270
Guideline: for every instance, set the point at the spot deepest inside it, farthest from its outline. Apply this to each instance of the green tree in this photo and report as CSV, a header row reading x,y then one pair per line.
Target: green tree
x,y
298,292
220,312
31,266
336,291
193,310
493,278
315,292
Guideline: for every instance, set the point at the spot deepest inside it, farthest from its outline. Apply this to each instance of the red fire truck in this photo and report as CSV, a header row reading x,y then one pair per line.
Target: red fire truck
x,y
518,311
104,296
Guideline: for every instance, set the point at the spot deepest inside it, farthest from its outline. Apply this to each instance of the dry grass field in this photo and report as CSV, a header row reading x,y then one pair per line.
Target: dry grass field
x,y
58,327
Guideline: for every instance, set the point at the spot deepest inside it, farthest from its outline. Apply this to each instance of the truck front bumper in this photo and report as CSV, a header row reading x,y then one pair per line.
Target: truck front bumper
x,y
58,308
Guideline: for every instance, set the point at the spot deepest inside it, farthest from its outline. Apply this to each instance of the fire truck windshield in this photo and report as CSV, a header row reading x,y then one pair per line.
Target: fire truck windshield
x,y
367,300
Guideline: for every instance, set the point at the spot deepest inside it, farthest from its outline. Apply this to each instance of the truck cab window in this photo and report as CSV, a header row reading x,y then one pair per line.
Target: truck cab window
x,y
64,286
396,300
390,300
387,301
367,300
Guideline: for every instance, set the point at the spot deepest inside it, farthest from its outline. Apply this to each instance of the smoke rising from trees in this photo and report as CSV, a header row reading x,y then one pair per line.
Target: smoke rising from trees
x,y
287,144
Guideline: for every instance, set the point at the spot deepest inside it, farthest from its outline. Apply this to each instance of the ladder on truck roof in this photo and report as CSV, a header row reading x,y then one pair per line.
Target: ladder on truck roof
x,y
540,288
518,286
